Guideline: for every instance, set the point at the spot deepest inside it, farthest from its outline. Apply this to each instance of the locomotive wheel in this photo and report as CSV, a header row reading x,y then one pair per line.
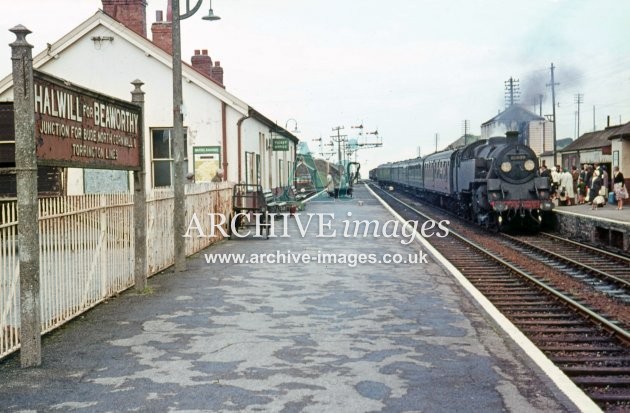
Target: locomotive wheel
x,y
463,207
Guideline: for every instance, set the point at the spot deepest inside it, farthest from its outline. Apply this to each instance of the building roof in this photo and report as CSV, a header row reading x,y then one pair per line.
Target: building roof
x,y
622,132
514,113
592,140
463,141
563,143
273,126
100,18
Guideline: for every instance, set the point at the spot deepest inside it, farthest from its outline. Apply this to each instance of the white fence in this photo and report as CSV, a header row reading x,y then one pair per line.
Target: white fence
x,y
87,250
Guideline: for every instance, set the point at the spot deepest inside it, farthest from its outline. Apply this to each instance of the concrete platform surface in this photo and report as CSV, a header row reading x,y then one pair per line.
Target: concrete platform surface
x,y
609,212
292,337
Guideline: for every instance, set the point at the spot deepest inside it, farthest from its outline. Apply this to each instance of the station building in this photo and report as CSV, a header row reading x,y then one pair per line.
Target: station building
x,y
111,49
534,130
609,147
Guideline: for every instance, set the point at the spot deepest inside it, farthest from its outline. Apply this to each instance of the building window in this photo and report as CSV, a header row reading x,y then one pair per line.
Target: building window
x,y
250,168
290,177
258,177
280,180
162,155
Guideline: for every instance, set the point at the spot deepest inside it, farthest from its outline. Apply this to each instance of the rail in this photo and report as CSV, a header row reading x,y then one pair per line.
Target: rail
x,y
623,334
601,274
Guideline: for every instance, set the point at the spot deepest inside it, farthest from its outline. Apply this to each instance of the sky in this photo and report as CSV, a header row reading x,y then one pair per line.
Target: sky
x,y
410,69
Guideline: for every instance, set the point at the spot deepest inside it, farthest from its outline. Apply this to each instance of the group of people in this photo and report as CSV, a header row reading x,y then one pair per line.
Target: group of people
x,y
588,185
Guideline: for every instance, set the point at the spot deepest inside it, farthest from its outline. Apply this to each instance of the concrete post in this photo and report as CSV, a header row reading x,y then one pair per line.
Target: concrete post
x,y
140,201
179,150
28,224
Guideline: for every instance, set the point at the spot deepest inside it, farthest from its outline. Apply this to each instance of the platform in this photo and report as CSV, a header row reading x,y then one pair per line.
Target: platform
x,y
606,212
316,337
606,226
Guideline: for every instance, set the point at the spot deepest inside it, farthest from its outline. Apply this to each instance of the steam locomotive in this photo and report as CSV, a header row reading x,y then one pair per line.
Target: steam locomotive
x,y
492,182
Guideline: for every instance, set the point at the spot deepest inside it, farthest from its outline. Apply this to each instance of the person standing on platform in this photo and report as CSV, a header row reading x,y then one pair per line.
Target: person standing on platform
x,y
555,177
576,175
581,191
583,172
593,194
544,172
566,185
587,181
619,186
604,175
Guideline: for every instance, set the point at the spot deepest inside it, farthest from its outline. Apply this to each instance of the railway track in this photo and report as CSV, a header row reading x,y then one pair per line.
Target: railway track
x,y
604,271
591,348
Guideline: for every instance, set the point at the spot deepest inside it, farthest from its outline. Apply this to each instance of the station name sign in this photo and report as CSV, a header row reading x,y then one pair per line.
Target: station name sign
x,y
79,128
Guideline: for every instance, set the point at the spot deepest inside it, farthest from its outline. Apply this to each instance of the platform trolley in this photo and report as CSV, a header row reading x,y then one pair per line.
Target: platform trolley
x,y
249,209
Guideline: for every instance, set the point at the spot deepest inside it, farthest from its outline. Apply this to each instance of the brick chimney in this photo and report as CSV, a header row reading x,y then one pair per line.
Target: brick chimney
x,y
202,62
131,13
217,72
169,11
162,32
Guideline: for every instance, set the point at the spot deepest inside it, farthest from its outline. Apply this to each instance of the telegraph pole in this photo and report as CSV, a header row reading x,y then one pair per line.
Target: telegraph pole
x,y
465,126
338,138
511,92
579,99
553,85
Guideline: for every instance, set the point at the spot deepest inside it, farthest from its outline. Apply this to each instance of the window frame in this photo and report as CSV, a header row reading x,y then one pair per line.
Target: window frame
x,y
168,160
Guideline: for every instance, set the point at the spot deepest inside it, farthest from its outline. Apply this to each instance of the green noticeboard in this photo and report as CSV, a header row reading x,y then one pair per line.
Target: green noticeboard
x,y
207,161
280,144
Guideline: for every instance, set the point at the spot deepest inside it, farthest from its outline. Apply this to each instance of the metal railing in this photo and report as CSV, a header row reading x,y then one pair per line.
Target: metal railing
x,y
87,250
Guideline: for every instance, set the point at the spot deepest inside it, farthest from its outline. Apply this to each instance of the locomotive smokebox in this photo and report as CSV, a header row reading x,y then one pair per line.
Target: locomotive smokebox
x,y
512,137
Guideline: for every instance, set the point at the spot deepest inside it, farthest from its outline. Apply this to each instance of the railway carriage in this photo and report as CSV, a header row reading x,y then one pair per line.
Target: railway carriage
x,y
415,173
437,176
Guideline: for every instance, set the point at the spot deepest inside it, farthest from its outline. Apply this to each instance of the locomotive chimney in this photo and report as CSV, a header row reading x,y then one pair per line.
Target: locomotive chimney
x,y
511,137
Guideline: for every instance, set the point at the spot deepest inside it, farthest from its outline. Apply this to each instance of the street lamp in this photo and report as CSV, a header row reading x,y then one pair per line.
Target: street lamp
x,y
211,16
295,129
179,150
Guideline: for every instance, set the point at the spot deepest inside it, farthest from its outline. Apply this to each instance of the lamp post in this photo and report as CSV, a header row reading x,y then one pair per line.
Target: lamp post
x,y
179,150
295,128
